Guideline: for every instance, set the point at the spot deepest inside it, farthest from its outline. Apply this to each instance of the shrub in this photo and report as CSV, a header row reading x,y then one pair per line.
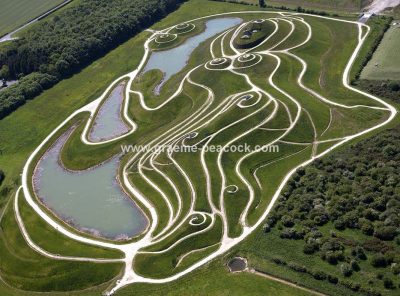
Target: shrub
x,y
319,275
372,292
390,256
339,224
267,228
366,227
396,269
376,245
279,261
333,279
296,267
289,233
388,283
5,190
359,253
394,86
2,176
332,257
309,249
354,265
351,285
378,260
287,221
4,72
345,269
385,232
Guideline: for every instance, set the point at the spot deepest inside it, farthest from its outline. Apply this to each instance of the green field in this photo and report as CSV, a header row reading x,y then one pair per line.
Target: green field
x,y
224,115
14,14
329,5
385,63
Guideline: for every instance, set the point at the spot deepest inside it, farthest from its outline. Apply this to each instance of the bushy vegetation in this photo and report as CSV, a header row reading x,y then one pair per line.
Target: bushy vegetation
x,y
355,190
73,38
358,190
27,88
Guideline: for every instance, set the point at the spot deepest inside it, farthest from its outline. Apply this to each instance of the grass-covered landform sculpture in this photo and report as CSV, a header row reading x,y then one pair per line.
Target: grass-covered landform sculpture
x,y
290,90
254,32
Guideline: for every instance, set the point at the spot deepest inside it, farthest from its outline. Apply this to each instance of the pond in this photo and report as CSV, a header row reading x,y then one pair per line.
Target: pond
x,y
91,200
173,60
237,264
108,123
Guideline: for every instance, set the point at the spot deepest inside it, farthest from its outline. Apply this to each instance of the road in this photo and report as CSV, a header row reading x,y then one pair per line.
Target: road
x,y
378,6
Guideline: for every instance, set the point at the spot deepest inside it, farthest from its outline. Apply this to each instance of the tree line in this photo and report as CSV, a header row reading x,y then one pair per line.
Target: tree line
x,y
61,45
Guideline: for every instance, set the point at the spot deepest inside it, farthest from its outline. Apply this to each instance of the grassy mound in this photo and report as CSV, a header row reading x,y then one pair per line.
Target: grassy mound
x,y
253,33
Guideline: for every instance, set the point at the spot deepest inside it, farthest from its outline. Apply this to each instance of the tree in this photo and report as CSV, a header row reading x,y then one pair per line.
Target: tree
x,y
333,279
388,283
319,275
378,260
359,253
309,248
386,232
394,86
2,176
262,3
346,270
4,72
354,265
287,221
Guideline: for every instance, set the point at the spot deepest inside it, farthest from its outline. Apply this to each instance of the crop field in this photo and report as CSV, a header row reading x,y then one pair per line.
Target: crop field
x,y
285,96
385,63
16,13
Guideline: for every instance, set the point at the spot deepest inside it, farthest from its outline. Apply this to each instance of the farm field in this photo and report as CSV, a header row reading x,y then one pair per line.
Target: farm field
x,y
14,14
290,90
385,63
335,5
